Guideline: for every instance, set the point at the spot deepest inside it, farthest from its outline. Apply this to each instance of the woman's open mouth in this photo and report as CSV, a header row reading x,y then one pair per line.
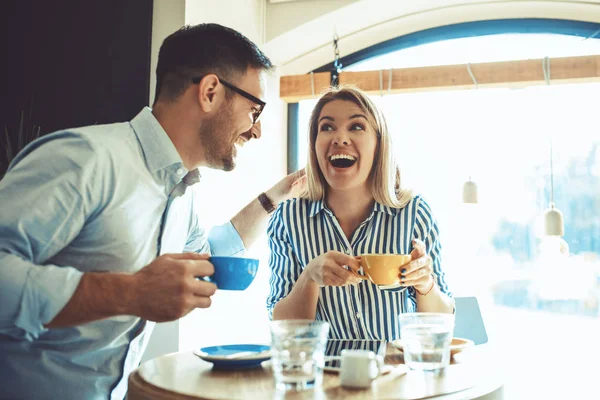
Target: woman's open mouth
x,y
342,160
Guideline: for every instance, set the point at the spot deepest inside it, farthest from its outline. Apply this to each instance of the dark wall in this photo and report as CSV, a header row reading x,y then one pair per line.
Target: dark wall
x,y
69,63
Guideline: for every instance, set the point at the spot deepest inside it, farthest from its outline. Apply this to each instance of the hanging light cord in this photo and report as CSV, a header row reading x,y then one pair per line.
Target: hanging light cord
x,y
546,69
551,177
476,87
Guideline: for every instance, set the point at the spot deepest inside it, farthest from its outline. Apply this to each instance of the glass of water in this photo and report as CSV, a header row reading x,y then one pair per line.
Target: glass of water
x,y
426,339
298,353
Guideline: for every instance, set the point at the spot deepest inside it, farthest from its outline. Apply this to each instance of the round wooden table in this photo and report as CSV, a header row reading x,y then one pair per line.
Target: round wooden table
x,y
185,376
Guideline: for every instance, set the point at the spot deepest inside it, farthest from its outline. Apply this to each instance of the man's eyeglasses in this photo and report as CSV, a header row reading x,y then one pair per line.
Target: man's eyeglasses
x,y
260,104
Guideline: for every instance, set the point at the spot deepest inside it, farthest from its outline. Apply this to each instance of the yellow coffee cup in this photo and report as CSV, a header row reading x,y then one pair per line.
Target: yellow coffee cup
x,y
383,269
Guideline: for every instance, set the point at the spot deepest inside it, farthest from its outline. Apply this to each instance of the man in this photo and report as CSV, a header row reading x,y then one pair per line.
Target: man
x,y
99,230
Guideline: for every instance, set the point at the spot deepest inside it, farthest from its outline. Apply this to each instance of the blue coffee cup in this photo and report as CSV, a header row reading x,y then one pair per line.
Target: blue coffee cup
x,y
232,273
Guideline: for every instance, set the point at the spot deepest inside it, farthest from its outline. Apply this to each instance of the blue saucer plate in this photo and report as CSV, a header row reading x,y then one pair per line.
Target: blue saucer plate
x,y
235,356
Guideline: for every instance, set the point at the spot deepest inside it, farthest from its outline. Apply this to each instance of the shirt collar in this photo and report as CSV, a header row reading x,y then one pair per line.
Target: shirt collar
x,y
318,206
159,151
385,209
192,177
162,158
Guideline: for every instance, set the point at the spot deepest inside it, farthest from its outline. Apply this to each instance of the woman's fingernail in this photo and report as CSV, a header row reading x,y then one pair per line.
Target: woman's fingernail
x,y
403,270
402,277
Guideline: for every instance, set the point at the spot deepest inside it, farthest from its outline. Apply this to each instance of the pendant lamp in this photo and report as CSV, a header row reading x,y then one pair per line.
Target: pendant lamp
x,y
470,187
470,192
553,219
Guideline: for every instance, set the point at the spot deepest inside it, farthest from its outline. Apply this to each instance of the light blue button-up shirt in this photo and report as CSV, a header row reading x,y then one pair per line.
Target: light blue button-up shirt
x,y
98,198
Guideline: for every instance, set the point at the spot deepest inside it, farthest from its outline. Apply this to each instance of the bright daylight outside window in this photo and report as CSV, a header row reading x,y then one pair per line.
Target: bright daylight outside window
x,y
534,291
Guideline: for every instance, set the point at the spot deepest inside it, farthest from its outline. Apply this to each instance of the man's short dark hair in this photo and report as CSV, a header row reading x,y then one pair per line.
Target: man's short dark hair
x,y
204,49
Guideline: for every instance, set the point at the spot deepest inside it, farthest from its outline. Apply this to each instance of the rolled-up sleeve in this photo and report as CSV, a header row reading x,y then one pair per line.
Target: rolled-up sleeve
x,y
45,200
285,268
224,240
32,295
221,240
426,229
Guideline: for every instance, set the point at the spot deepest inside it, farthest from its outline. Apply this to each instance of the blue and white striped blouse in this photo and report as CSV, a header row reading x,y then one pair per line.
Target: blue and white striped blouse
x,y
301,230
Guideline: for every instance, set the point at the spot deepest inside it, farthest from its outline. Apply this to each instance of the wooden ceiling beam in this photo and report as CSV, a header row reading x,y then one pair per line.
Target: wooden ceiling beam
x,y
509,74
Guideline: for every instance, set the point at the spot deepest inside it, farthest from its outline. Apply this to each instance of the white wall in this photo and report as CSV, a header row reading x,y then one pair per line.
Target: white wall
x,y
261,164
285,16
245,16
167,17
236,317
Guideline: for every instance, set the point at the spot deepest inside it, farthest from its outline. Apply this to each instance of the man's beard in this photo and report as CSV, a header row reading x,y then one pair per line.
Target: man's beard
x,y
215,137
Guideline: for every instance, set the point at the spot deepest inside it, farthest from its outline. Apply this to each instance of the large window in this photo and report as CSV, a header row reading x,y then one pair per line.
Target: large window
x,y
535,291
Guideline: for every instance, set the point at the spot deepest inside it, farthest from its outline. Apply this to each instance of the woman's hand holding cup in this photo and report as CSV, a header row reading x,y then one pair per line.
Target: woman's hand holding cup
x,y
329,269
417,273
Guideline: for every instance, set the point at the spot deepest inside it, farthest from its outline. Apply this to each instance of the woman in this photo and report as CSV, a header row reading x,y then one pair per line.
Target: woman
x,y
353,206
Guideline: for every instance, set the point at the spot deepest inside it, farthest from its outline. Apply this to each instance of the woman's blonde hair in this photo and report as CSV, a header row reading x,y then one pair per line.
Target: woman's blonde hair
x,y
385,174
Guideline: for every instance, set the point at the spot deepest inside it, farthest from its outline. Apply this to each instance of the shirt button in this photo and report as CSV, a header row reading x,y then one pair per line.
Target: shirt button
x,y
349,252
358,315
180,172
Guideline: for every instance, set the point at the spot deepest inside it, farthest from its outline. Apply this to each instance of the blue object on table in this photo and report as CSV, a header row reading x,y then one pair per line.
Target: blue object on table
x,y
468,322
235,356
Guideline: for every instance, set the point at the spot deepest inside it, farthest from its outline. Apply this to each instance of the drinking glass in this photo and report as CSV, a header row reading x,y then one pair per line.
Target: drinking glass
x,y
298,353
426,339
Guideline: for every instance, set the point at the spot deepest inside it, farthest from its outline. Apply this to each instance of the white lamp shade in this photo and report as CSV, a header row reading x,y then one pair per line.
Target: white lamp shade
x,y
470,192
553,222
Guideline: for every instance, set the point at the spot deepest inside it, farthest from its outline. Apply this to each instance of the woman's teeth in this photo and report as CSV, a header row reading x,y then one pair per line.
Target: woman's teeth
x,y
342,156
342,160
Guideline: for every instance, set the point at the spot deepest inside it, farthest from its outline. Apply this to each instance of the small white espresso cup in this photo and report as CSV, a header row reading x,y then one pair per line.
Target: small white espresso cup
x,y
359,368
